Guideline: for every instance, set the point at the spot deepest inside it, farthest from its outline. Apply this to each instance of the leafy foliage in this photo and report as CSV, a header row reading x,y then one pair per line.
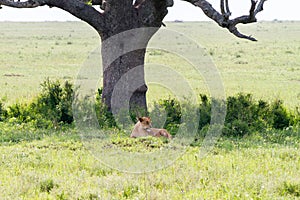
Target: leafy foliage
x,y
55,102
290,189
93,113
2,111
53,107
171,108
105,118
279,116
47,185
204,111
245,116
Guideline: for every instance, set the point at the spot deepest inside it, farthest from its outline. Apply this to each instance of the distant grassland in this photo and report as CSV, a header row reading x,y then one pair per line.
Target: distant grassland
x,y
269,68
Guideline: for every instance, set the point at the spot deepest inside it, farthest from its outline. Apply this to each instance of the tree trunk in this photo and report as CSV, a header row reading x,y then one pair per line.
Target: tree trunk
x,y
123,58
125,35
112,83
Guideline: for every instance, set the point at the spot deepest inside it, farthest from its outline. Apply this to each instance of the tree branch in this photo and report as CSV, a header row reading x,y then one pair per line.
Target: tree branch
x,y
227,7
225,10
153,12
260,7
19,4
78,8
82,11
223,18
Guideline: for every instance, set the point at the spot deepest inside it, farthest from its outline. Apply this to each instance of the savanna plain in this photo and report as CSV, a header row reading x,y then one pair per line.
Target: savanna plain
x,y
55,163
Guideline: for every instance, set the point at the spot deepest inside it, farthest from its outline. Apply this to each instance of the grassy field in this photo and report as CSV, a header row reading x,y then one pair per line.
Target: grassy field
x,y
49,164
269,68
61,168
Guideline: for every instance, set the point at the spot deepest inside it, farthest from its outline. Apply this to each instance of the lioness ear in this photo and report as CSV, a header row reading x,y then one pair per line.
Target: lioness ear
x,y
141,119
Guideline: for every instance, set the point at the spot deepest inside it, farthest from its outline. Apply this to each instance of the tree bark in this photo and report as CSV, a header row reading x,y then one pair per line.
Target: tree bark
x,y
124,80
124,44
123,57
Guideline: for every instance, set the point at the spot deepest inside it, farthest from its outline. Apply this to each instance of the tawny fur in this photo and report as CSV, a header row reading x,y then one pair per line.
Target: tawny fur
x,y
144,128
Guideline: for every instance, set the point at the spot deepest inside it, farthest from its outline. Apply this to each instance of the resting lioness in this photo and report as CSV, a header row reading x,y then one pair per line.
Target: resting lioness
x,y
144,128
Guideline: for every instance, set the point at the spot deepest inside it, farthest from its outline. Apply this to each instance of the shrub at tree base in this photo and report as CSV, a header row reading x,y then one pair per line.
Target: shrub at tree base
x,y
244,115
53,108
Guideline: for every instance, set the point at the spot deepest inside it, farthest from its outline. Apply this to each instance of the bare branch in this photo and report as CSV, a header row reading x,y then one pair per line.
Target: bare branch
x,y
235,32
252,9
82,11
227,7
222,7
260,7
19,4
78,8
223,18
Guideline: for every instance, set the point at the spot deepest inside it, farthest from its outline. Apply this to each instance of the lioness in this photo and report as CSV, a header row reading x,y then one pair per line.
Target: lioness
x,y
144,128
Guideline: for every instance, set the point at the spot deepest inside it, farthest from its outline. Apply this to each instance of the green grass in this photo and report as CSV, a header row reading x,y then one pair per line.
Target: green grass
x,y
55,168
269,68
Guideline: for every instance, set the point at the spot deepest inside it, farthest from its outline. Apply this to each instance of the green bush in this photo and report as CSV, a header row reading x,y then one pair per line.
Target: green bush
x,y
2,112
204,111
244,115
172,110
93,113
19,113
53,108
104,117
55,102
279,117
296,117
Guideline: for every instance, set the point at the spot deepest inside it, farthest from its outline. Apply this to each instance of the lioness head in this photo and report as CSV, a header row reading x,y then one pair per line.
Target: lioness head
x,y
145,122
